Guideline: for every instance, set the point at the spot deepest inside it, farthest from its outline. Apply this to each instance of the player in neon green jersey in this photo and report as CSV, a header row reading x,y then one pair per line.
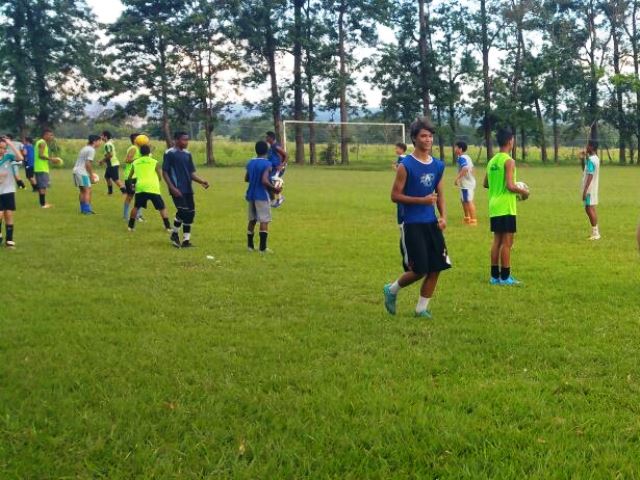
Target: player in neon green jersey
x,y
41,165
133,153
112,170
148,175
501,182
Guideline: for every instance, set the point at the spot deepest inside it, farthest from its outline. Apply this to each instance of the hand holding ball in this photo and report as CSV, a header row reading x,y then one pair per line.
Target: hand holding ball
x,y
95,178
523,186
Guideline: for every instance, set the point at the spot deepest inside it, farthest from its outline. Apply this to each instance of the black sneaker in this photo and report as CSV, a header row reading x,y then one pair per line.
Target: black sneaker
x,y
175,239
187,244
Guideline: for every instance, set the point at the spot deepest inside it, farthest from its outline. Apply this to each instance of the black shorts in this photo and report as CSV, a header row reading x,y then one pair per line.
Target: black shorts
x,y
8,202
503,224
28,171
185,202
424,247
112,173
130,186
142,198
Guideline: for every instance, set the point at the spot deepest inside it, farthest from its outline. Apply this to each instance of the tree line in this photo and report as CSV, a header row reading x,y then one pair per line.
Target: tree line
x,y
549,69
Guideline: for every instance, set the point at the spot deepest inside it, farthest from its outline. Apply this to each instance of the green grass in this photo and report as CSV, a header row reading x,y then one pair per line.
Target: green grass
x,y
125,358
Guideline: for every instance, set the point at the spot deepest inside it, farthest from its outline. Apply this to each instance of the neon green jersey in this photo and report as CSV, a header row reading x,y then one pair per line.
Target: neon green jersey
x,y
127,166
40,165
146,175
109,148
501,200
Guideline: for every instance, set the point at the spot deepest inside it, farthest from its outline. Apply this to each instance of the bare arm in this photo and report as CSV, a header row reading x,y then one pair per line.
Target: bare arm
x,y
440,203
485,182
172,188
463,171
283,154
397,191
16,152
510,168
130,155
266,182
199,180
131,173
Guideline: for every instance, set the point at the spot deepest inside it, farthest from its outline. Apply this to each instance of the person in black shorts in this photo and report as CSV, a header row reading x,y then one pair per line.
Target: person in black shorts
x,y
179,172
9,178
418,187
112,168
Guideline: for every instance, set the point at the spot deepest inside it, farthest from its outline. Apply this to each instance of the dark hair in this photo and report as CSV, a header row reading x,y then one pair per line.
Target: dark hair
x,y
133,137
145,150
504,136
9,136
420,124
593,143
270,134
262,147
402,146
107,134
93,138
462,145
46,130
28,139
178,134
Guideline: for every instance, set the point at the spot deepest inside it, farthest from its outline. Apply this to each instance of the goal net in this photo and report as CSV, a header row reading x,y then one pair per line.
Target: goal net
x,y
337,143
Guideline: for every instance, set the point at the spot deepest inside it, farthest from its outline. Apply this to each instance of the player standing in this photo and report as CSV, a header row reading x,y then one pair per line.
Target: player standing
x,y
148,175
278,158
590,186
28,162
8,179
501,182
83,175
179,172
133,153
258,176
41,165
112,169
467,183
418,187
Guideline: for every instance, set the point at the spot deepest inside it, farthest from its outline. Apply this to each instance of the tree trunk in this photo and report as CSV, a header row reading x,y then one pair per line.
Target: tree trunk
x,y
554,118
344,132
311,115
33,23
618,95
297,79
523,139
164,95
486,80
541,133
452,126
276,102
423,47
440,138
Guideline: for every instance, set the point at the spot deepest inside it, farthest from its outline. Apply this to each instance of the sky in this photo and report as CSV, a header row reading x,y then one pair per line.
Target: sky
x,y
107,11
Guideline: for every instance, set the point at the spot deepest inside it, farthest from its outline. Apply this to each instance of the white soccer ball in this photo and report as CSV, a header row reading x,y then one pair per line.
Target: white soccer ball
x,y
277,182
95,178
523,186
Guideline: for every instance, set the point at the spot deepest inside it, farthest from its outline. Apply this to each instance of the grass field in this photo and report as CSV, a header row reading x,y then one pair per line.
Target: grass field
x,y
125,358
230,153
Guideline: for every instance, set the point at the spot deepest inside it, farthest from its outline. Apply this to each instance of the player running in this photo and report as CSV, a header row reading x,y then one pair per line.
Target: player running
x,y
279,159
467,183
179,172
83,175
112,169
503,191
418,187
590,186
258,177
9,178
148,176
41,162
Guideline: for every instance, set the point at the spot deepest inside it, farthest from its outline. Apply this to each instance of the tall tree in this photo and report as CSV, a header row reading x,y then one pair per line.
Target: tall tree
x,y
298,41
633,36
146,36
49,58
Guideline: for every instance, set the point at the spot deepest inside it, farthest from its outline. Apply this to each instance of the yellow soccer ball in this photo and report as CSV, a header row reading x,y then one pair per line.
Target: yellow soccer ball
x,y
142,140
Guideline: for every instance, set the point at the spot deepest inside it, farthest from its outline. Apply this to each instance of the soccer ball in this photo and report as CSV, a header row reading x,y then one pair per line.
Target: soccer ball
x,y
523,186
277,182
142,140
95,178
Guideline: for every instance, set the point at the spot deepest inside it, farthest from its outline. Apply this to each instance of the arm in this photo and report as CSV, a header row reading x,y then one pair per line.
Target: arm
x,y
246,176
41,148
283,155
199,180
88,165
172,188
485,182
16,152
510,168
397,191
266,182
442,210
463,171
131,173
130,154
159,172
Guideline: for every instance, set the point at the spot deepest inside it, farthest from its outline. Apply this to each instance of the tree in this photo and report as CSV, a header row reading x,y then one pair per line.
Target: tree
x,y
49,59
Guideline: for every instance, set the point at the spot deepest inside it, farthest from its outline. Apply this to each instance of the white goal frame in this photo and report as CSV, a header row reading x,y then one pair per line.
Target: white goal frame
x,y
338,124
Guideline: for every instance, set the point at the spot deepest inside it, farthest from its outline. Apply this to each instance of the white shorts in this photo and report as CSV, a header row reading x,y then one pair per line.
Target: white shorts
x,y
81,180
260,211
467,194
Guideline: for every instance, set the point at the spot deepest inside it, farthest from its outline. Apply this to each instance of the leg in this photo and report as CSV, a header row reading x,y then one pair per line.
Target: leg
x,y
264,235
465,210
496,246
593,216
505,256
472,211
8,219
409,278
429,285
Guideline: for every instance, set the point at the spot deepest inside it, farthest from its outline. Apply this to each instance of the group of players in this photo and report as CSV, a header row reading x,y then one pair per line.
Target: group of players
x,y
418,191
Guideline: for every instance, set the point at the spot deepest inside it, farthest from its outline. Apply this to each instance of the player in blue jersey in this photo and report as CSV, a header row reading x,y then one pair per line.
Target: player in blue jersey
x,y
179,173
28,163
401,152
258,177
418,187
278,158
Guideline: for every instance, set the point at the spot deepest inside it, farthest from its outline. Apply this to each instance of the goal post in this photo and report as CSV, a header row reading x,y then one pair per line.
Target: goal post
x,y
328,142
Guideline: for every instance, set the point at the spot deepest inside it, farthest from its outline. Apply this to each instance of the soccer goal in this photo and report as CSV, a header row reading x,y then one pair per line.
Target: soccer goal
x,y
332,143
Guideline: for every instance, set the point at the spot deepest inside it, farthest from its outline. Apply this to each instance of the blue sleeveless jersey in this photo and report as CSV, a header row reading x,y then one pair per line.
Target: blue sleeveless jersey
x,y
274,157
422,180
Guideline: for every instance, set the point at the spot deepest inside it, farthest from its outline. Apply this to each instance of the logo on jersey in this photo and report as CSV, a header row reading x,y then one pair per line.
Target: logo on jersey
x,y
427,179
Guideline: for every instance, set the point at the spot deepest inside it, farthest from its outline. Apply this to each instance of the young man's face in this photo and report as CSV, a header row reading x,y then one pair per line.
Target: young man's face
x,y
400,151
182,142
424,140
457,151
48,136
270,140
